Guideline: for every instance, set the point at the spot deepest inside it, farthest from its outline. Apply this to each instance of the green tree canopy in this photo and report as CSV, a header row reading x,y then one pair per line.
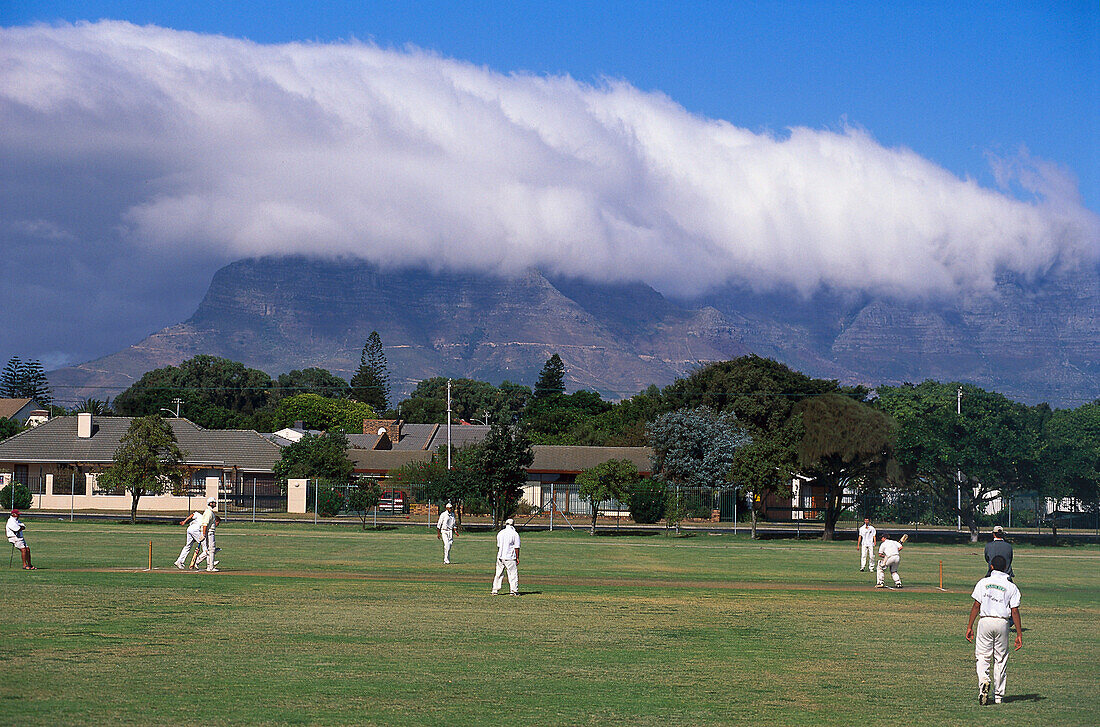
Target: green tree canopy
x,y
371,382
322,457
9,428
309,381
845,443
994,443
471,400
318,412
217,393
499,463
148,461
610,480
556,419
696,447
1070,460
551,380
20,379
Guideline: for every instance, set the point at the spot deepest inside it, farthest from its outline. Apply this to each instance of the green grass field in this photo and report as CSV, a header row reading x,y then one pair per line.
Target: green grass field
x,y
329,625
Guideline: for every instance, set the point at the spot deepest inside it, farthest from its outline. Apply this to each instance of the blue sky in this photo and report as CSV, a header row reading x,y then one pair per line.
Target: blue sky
x,y
950,80
908,149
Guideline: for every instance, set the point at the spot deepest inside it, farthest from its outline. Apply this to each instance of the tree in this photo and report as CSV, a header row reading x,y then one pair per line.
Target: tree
x,y
551,381
647,501
19,492
9,428
610,480
363,498
762,394
98,407
695,447
216,393
371,383
845,443
1070,459
322,457
500,463
470,400
25,379
994,443
309,381
553,419
148,461
460,484
317,412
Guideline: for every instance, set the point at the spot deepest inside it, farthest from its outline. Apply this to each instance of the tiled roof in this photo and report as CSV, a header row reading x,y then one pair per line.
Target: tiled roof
x,y
553,458
56,441
11,407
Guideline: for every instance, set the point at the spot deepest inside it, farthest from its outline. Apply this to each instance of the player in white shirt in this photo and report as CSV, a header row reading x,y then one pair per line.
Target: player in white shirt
x,y
889,557
200,556
14,531
997,602
194,537
507,558
445,531
208,526
866,545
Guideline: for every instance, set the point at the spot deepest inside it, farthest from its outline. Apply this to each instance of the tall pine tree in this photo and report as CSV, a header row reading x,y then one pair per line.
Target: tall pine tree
x,y
371,383
551,379
21,379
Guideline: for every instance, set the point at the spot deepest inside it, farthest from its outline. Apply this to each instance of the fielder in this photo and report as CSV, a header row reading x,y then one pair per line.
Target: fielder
x,y
200,556
14,530
997,602
996,547
445,531
194,537
507,558
208,526
889,556
865,542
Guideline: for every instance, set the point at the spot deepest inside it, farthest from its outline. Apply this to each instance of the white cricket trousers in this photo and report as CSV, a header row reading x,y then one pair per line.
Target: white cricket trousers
x,y
192,539
209,548
867,556
992,641
448,538
890,564
513,575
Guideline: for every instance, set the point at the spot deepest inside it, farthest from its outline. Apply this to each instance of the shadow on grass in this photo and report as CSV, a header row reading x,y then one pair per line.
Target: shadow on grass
x,y
623,533
1024,698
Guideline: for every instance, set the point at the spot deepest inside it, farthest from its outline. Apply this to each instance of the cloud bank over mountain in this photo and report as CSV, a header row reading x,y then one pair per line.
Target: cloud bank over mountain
x,y
176,141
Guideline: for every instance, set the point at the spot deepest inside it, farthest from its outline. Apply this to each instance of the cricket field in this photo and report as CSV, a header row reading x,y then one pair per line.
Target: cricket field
x,y
332,625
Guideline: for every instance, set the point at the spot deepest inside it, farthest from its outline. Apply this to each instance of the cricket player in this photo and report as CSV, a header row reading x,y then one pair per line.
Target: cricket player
x,y
866,544
194,537
208,526
200,556
445,531
996,547
14,530
889,556
507,558
997,603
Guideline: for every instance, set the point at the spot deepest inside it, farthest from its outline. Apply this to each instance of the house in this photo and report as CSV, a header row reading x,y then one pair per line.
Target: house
x,y
27,412
60,459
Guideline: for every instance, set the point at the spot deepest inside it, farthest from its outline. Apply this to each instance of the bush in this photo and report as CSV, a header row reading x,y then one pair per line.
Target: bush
x,y
329,501
23,497
647,502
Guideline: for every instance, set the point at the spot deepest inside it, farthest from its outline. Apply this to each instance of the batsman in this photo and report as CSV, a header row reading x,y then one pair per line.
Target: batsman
x,y
889,557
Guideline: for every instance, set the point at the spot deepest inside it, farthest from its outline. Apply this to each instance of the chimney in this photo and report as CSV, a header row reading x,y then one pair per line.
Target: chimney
x,y
300,425
392,427
84,425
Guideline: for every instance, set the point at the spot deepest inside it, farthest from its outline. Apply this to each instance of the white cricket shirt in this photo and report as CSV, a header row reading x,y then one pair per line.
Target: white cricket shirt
x,y
868,535
208,519
889,548
507,543
14,528
997,595
446,520
195,524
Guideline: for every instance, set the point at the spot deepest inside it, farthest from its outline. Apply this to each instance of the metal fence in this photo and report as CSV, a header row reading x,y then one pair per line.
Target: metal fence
x,y
253,495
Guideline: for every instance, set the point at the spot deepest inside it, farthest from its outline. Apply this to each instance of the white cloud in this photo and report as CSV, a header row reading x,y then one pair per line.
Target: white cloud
x,y
242,149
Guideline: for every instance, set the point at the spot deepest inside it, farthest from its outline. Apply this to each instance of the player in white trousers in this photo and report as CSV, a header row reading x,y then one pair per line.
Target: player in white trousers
x,y
507,558
889,557
194,537
866,544
445,531
208,526
997,603
199,557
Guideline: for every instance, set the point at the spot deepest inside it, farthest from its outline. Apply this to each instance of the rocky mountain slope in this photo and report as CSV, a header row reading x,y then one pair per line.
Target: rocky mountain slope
x,y
1032,342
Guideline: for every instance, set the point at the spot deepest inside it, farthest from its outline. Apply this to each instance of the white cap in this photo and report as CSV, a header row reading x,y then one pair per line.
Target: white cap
x,y
212,501
449,506
509,521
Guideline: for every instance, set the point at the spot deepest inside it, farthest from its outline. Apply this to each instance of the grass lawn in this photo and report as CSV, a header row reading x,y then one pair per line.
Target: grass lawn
x,y
330,625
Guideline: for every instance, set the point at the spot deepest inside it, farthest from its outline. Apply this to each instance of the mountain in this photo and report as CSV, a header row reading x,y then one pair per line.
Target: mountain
x,y
1032,342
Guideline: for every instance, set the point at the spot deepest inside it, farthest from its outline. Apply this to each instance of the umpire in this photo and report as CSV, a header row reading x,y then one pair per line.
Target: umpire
x,y
998,546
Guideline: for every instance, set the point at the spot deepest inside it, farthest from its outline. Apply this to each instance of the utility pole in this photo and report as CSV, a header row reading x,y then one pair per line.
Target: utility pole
x,y
958,473
448,424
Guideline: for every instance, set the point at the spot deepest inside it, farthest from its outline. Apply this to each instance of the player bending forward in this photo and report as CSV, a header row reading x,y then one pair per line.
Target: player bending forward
x,y
194,537
997,602
889,556
507,558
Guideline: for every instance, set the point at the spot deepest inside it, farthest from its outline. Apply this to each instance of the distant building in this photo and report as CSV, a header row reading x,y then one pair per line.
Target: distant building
x,y
27,412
